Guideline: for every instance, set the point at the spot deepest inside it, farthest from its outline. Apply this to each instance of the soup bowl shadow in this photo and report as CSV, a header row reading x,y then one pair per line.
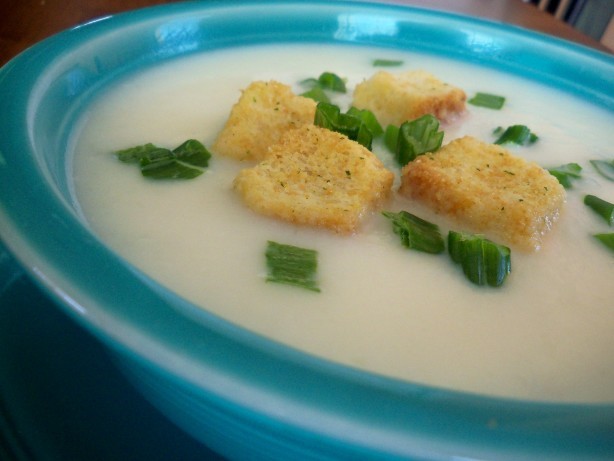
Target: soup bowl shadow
x,y
244,395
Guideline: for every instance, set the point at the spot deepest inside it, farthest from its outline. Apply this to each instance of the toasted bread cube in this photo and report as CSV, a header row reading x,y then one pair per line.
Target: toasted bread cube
x,y
488,189
397,98
316,177
262,114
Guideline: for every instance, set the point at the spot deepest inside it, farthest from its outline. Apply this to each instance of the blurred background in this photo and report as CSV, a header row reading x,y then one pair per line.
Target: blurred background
x,y
589,22
595,18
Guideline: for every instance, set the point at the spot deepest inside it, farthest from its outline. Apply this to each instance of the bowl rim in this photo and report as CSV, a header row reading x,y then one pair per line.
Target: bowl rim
x,y
53,260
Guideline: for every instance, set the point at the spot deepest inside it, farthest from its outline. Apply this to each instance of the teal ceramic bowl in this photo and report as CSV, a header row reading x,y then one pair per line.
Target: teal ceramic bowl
x,y
243,395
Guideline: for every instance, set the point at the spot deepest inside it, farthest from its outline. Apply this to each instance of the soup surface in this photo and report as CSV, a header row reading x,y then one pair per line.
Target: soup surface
x,y
546,334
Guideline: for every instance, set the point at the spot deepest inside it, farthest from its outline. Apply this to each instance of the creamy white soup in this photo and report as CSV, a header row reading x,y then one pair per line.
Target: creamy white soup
x,y
546,334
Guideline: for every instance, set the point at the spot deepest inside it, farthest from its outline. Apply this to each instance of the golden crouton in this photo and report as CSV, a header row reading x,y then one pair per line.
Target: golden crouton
x,y
263,113
488,189
316,177
396,98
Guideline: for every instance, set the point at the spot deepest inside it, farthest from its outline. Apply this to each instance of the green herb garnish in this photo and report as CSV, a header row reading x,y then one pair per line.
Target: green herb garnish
x,y
601,207
490,101
187,161
326,81
565,173
606,239
168,168
387,62
517,134
483,261
417,137
193,153
135,154
331,81
391,137
415,232
369,119
354,127
605,168
292,265
317,94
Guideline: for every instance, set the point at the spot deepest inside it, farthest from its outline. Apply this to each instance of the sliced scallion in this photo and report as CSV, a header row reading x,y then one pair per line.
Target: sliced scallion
x,y
368,119
354,127
326,81
415,232
193,153
490,101
417,137
135,154
565,173
601,207
317,94
516,134
184,162
387,62
606,239
605,168
292,265
168,168
331,81
391,137
483,261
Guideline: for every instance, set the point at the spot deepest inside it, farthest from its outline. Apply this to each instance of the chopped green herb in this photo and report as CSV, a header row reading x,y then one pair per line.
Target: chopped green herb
x,y
184,162
483,261
326,81
193,153
292,265
135,154
391,137
329,116
333,82
606,239
415,232
605,168
310,82
490,101
417,137
565,173
387,62
601,207
317,94
168,168
517,134
368,119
